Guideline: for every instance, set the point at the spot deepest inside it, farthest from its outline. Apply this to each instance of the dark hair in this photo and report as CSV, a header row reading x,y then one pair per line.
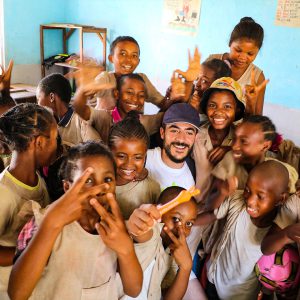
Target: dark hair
x,y
129,128
90,148
119,39
6,100
134,76
22,123
220,68
170,193
56,83
267,126
249,29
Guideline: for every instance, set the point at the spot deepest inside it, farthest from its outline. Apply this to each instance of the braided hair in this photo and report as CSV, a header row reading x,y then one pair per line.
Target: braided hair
x,y
267,126
22,123
129,128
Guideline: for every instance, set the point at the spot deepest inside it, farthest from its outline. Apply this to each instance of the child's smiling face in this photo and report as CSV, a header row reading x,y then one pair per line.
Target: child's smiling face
x,y
125,57
221,109
104,174
243,52
185,213
130,156
249,144
131,96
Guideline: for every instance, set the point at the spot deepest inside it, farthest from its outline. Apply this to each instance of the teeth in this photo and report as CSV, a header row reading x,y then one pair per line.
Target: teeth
x,y
237,155
132,105
127,67
179,147
127,172
252,210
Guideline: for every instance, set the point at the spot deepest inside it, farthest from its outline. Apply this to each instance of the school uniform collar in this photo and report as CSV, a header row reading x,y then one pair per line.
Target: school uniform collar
x,y
65,120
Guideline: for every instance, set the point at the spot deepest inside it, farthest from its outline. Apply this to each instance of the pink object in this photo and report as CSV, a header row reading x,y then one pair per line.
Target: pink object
x,y
280,271
116,115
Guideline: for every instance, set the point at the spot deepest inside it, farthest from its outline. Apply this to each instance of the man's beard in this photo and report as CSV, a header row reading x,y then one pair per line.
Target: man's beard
x,y
171,157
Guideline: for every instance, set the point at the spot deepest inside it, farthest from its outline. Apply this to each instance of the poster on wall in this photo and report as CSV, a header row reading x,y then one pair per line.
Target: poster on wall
x,y
288,13
181,16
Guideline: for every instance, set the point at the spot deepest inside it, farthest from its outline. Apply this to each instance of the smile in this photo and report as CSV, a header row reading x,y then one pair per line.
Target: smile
x,y
127,172
132,106
127,67
252,210
237,155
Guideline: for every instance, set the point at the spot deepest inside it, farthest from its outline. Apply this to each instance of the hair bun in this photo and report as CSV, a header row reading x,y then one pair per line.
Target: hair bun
x,y
133,115
247,19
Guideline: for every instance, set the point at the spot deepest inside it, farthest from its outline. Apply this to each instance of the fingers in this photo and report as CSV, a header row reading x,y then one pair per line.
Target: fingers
x,y
80,182
197,55
114,206
171,235
189,54
151,210
262,85
253,83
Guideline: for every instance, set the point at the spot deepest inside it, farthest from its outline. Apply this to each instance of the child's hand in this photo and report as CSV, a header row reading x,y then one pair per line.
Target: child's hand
x,y
293,232
217,154
112,228
70,206
177,87
5,76
143,219
251,93
227,187
193,70
179,248
195,100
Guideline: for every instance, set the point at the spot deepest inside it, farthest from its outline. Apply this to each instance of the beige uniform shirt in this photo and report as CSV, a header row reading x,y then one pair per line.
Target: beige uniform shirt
x,y
14,194
81,267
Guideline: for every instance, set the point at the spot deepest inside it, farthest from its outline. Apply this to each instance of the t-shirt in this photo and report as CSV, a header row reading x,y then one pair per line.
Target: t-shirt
x,y
14,197
165,175
234,255
74,130
133,194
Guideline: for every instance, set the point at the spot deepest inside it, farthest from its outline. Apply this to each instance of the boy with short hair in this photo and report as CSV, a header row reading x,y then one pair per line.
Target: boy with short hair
x,y
125,56
230,269
54,91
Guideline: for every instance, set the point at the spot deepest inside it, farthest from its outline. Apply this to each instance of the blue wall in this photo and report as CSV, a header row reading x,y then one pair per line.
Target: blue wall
x,y
161,52
22,21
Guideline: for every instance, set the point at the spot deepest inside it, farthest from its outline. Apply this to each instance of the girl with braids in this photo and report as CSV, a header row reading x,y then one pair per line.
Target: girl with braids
x,y
30,131
73,249
253,138
129,141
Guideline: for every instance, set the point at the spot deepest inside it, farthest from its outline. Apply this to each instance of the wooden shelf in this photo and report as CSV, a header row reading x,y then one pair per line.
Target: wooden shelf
x,y
67,31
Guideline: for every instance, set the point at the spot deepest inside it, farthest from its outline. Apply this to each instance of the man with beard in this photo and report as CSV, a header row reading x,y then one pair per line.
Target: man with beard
x,y
169,165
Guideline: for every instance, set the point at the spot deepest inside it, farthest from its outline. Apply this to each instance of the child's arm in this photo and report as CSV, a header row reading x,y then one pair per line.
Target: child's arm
x,y
80,104
277,238
181,253
141,221
254,94
113,232
29,267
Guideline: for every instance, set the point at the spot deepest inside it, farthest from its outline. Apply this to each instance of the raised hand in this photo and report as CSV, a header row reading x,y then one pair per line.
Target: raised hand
x,y
112,228
177,87
193,70
143,219
179,248
5,76
251,93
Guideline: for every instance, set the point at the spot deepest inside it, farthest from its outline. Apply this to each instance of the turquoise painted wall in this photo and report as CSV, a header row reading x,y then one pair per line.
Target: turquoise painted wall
x,y
22,32
161,52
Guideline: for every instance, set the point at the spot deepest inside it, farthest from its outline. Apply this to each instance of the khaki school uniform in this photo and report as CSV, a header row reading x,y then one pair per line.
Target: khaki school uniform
x,y
14,196
80,266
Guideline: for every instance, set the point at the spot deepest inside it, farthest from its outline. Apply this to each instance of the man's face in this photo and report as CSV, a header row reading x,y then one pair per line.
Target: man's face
x,y
178,140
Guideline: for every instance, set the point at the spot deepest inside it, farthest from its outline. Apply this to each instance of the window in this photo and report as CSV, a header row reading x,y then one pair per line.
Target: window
x,y
1,33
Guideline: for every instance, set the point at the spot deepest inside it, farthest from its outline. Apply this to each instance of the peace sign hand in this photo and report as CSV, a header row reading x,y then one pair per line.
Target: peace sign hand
x,y
112,228
252,91
179,248
193,70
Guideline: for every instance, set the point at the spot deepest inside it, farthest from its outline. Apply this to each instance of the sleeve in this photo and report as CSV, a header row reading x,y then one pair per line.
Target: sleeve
x,y
225,168
25,237
7,208
289,213
170,276
154,96
152,123
106,78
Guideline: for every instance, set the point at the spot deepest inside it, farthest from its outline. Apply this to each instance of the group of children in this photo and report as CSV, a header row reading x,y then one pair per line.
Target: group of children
x,y
83,182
